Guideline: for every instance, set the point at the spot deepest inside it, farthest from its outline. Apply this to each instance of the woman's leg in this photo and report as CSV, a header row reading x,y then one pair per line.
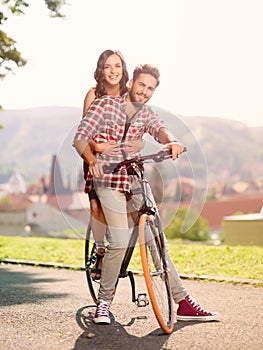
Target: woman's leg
x,y
98,226
114,207
98,222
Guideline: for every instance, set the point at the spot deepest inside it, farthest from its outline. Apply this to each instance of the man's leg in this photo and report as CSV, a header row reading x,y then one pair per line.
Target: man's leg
x,y
188,308
178,290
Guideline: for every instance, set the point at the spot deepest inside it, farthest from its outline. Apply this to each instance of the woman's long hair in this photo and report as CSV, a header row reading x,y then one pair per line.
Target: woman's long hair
x,y
100,89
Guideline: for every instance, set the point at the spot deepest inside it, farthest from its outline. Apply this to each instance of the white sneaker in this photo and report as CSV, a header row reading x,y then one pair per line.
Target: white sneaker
x,y
102,314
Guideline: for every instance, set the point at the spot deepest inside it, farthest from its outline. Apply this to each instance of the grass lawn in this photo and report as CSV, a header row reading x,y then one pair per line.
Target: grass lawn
x,y
197,259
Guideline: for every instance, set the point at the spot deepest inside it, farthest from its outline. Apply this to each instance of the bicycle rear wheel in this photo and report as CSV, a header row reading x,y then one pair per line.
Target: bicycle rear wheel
x,y
90,259
156,272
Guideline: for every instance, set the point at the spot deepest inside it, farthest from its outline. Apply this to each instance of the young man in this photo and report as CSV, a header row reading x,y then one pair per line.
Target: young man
x,y
106,121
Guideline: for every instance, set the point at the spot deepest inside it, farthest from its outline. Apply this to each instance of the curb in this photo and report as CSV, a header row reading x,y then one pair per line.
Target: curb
x,y
233,280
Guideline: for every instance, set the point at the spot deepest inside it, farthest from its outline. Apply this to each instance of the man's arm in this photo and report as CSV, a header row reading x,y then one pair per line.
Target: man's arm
x,y
166,138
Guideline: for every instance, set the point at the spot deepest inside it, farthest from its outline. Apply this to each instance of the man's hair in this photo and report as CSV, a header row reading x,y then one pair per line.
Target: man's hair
x,y
147,69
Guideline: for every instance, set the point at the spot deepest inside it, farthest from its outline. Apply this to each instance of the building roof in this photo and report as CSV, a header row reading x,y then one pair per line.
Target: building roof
x,y
245,217
15,202
215,211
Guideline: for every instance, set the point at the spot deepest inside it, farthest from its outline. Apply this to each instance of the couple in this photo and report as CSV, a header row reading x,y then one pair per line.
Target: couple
x,y
99,139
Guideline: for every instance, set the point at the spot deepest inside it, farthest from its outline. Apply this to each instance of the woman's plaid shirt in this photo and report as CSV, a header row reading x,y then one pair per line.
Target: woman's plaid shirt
x,y
104,122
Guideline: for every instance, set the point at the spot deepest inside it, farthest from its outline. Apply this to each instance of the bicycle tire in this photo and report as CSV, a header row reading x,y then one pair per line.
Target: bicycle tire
x,y
90,259
156,272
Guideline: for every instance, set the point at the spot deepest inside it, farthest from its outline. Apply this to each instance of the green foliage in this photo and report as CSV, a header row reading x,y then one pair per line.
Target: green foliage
x,y
199,231
18,6
9,55
211,195
15,6
55,7
6,200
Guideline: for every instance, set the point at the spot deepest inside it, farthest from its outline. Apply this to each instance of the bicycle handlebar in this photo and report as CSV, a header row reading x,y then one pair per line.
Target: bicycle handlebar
x,y
156,157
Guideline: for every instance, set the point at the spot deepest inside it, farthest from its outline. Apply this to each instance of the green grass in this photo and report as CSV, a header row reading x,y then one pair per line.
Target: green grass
x,y
226,261
63,251
197,259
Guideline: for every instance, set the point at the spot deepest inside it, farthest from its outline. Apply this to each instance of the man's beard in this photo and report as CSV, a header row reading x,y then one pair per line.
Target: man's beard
x,y
134,102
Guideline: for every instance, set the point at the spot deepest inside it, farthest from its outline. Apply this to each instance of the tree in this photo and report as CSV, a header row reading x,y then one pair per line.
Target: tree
x,y
199,231
9,55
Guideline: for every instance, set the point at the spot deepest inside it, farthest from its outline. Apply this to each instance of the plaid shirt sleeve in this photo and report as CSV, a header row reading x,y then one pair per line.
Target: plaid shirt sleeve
x,y
89,125
154,124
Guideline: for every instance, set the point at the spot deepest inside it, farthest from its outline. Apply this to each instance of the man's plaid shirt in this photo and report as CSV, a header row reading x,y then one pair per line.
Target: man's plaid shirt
x,y
104,122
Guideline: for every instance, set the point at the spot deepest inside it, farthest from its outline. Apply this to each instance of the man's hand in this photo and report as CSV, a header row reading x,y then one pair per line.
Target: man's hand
x,y
176,149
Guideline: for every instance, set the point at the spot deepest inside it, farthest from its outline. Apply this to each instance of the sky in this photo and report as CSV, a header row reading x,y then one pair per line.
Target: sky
x,y
209,53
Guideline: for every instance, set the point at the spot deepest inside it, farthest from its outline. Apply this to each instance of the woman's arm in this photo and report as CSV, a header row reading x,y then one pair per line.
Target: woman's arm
x,y
89,98
104,147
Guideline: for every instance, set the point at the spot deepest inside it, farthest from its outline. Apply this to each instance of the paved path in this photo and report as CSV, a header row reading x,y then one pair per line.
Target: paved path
x,y
50,309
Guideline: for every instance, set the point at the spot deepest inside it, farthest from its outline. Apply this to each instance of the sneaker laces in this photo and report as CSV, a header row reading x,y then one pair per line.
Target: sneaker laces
x,y
197,307
103,309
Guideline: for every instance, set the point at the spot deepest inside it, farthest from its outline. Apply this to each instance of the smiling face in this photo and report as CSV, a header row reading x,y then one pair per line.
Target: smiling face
x,y
113,70
142,89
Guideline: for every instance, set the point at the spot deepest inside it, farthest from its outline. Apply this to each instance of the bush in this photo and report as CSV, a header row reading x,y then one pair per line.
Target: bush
x,y
199,230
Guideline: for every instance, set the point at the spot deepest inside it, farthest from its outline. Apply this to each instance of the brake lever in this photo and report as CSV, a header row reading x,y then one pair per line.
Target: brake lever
x,y
164,154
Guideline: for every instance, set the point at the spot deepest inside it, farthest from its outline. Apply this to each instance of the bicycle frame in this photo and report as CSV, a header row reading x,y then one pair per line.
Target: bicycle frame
x,y
146,208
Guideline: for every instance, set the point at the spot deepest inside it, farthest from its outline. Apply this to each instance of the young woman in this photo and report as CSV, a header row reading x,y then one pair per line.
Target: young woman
x,y
112,77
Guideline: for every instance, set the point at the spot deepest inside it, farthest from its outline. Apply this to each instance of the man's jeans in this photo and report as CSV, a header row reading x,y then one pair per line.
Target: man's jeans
x,y
114,205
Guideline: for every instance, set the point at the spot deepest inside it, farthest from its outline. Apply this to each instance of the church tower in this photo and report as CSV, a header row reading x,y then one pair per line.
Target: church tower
x,y
56,182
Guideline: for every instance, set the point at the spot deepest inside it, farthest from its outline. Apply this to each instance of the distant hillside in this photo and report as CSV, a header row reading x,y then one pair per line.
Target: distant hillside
x,y
31,136
232,150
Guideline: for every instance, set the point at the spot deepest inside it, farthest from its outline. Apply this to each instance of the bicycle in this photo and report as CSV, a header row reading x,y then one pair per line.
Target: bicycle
x,y
148,230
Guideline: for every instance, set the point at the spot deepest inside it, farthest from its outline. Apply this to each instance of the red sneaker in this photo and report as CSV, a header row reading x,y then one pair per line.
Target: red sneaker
x,y
190,310
102,314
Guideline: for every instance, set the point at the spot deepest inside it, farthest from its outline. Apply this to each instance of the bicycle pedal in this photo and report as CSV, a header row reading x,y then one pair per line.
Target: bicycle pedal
x,y
142,300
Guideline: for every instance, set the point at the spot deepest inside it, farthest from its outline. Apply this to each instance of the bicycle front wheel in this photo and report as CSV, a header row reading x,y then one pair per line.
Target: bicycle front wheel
x,y
156,272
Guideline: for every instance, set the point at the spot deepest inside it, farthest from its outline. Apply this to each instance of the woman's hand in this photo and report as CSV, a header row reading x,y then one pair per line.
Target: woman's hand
x,y
110,148
96,169
133,146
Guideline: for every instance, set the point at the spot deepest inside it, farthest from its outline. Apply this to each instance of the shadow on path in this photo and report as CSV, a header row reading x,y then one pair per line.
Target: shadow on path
x,y
23,288
116,336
